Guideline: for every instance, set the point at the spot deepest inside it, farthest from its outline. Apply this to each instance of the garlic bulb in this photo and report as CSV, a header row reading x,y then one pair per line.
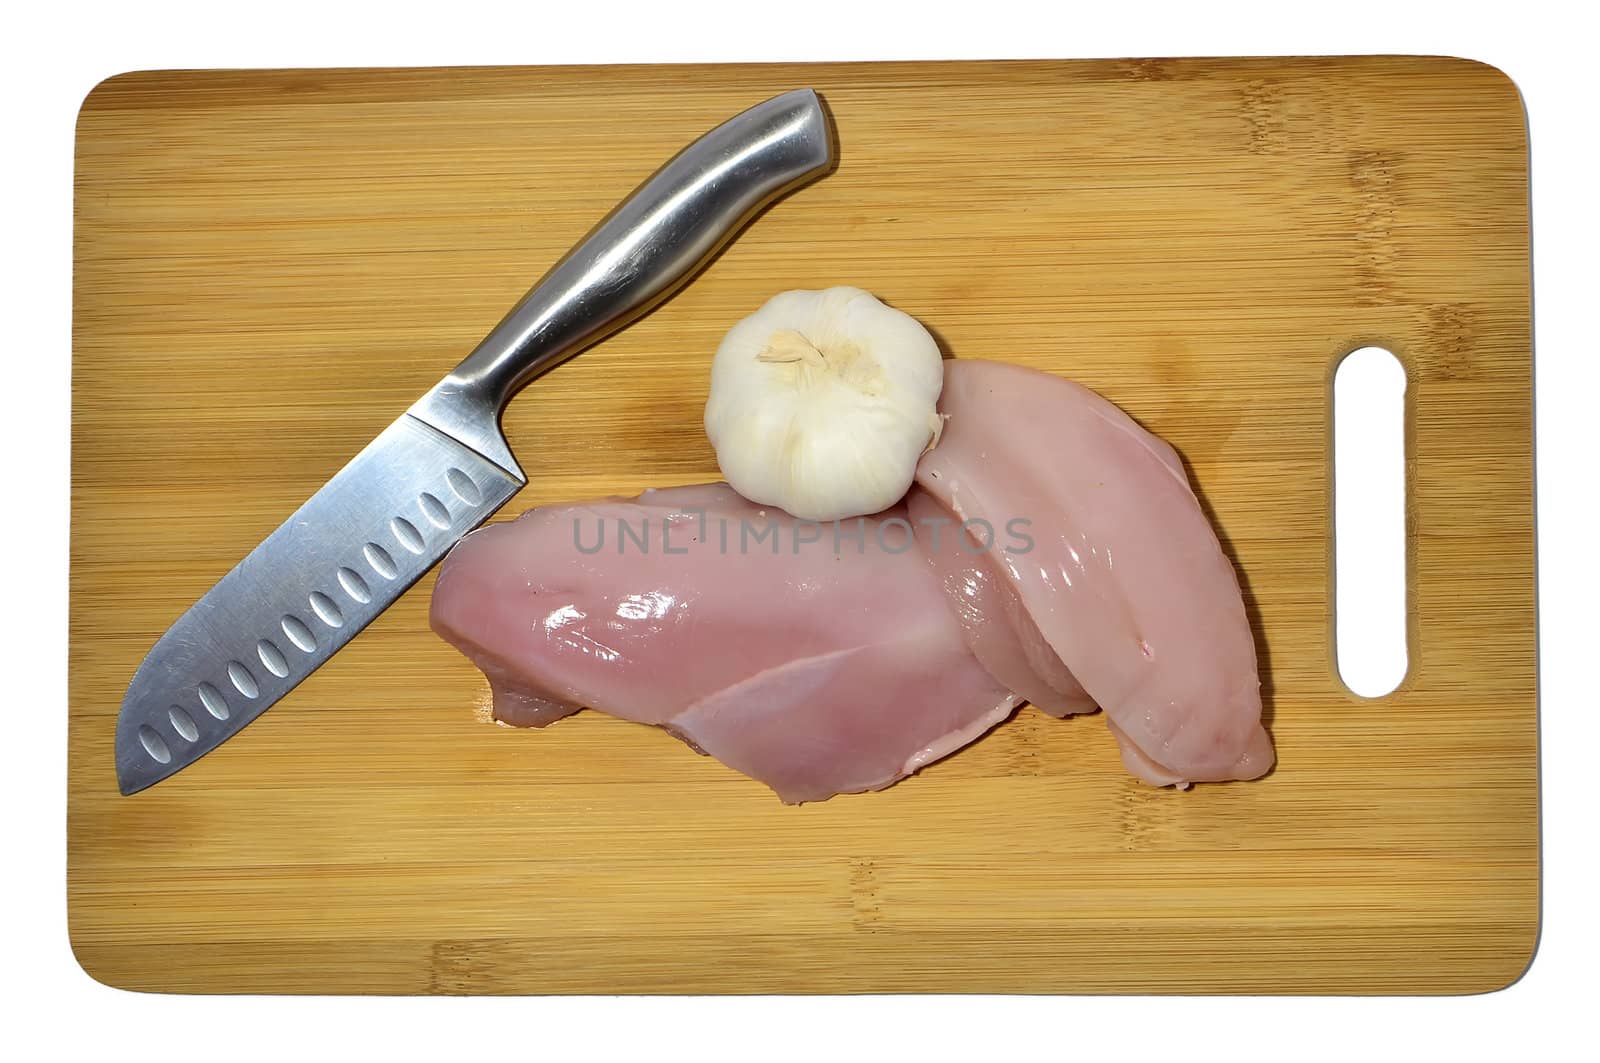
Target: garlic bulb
x,y
822,402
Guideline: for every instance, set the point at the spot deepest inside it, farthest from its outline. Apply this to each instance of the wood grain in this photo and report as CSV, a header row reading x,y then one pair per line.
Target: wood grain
x,y
270,265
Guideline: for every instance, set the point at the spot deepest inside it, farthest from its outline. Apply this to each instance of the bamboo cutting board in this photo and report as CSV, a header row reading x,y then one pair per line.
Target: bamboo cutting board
x,y
270,266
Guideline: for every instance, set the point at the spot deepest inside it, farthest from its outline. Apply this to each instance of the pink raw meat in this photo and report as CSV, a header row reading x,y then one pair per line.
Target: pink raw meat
x,y
999,630
817,663
1124,578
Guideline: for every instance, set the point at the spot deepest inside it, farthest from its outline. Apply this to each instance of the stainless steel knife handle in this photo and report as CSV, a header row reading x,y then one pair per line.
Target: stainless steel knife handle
x,y
638,255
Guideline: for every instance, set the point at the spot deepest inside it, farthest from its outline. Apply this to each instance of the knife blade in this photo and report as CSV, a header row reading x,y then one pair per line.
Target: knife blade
x,y
443,467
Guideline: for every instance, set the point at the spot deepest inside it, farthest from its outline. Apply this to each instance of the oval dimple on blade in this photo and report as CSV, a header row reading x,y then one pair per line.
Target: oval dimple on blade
x,y
380,561
183,723
154,744
297,632
272,658
354,585
327,609
407,535
242,680
213,700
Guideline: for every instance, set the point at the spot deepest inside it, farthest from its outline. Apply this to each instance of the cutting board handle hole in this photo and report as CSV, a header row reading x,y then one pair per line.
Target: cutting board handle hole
x,y
1369,521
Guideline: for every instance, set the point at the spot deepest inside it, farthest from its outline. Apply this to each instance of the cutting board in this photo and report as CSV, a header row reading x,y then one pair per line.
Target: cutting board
x,y
271,265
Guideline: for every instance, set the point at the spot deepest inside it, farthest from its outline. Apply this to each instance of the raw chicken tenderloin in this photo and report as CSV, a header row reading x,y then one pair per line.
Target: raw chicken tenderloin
x,y
818,667
1124,576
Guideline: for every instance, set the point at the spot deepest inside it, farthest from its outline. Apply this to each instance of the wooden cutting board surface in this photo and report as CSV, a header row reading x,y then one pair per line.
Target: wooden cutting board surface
x,y
270,266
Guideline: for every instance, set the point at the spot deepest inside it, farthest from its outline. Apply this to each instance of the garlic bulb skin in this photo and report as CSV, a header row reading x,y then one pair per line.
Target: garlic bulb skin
x,y
822,402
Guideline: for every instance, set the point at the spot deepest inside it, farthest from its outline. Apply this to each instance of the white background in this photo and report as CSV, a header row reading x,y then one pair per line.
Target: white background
x,y
55,52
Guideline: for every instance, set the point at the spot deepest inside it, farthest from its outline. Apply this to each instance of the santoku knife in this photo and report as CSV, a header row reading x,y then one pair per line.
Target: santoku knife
x,y
444,467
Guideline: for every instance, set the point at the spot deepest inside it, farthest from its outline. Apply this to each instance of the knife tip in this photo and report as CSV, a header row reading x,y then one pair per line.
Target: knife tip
x,y
129,781
133,761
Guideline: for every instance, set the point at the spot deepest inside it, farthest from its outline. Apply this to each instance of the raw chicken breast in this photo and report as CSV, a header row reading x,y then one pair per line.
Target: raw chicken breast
x,y
999,630
818,663
1092,521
